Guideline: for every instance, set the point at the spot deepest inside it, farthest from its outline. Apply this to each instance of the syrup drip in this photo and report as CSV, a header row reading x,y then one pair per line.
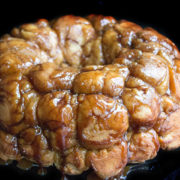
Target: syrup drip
x,y
24,164
42,171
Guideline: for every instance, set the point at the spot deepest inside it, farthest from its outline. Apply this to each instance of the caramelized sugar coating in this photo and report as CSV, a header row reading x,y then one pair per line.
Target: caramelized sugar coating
x,y
169,135
106,121
19,55
142,103
57,113
8,147
42,35
108,80
48,77
34,146
109,162
18,103
76,161
92,92
73,33
143,145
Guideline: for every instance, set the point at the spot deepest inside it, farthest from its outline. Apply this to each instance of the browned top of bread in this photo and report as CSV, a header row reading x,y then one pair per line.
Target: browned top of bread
x,y
88,92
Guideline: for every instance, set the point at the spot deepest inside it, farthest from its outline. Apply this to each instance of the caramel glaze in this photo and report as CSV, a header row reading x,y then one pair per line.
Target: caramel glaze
x,y
90,92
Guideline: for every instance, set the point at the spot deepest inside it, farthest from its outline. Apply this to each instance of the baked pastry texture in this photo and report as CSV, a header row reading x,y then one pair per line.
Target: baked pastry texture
x,y
91,92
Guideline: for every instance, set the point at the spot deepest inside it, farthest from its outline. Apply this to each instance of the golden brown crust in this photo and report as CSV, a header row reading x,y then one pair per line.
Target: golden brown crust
x,y
8,147
143,146
142,103
90,92
109,162
106,121
73,33
108,80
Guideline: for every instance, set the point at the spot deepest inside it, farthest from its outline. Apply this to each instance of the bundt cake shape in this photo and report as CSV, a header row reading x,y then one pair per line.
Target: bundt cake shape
x,y
91,92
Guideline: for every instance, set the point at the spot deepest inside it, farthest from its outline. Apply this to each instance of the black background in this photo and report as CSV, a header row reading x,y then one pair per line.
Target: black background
x,y
163,16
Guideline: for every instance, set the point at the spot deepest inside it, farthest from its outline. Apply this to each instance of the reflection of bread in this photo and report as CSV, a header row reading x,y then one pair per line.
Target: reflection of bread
x,y
94,92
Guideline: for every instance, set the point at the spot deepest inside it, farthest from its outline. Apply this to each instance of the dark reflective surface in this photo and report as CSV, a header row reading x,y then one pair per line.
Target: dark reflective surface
x,y
164,17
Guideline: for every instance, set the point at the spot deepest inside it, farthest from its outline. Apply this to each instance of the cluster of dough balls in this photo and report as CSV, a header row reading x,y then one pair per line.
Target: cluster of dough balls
x,y
91,92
